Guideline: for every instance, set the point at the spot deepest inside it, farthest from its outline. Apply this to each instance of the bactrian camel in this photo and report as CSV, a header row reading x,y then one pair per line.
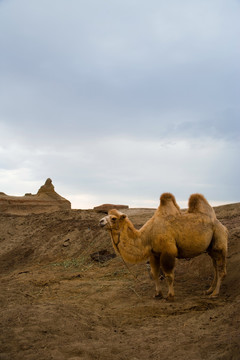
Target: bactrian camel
x,y
170,234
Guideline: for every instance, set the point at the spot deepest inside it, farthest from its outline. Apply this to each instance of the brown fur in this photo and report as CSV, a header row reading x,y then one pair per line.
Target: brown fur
x,y
168,205
198,204
169,235
165,198
167,262
114,212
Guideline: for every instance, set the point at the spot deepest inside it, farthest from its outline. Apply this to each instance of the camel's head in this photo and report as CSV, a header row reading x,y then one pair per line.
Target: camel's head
x,y
113,221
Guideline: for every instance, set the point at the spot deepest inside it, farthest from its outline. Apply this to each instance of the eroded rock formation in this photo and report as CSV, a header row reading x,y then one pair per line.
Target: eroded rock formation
x,y
46,200
107,207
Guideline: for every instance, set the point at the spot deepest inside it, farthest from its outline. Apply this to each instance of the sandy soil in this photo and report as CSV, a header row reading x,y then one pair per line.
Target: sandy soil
x,y
58,303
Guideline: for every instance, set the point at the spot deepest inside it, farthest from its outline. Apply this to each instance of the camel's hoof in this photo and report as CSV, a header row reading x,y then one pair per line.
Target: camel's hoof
x,y
158,296
207,292
170,298
213,296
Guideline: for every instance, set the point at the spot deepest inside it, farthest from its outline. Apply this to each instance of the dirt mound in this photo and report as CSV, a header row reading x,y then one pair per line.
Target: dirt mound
x,y
57,302
46,200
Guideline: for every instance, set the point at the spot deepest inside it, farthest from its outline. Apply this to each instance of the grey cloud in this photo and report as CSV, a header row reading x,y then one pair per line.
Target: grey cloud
x,y
77,75
225,125
97,63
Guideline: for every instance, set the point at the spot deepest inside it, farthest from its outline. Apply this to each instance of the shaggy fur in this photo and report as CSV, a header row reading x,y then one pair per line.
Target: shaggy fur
x,y
168,204
170,234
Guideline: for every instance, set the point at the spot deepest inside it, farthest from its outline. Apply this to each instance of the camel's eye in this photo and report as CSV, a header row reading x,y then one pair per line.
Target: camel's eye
x,y
114,219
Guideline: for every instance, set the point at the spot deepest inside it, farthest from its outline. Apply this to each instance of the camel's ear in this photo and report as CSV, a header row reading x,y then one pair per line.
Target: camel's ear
x,y
123,216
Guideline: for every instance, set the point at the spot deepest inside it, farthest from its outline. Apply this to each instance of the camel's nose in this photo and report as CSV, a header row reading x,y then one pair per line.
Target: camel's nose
x,y
102,222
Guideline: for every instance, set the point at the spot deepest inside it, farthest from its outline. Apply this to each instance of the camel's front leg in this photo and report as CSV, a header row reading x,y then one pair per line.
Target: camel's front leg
x,y
168,264
170,280
155,270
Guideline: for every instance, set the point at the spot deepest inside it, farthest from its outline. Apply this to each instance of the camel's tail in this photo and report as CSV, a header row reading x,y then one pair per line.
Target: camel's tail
x,y
198,204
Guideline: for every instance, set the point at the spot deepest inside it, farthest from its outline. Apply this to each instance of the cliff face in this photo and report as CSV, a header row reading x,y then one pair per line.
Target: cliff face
x,y
46,200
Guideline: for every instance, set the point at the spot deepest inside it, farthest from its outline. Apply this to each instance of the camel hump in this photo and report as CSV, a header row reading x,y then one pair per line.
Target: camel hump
x,y
168,204
198,204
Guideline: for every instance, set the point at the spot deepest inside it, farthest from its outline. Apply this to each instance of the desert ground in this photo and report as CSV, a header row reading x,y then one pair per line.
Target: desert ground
x,y
59,302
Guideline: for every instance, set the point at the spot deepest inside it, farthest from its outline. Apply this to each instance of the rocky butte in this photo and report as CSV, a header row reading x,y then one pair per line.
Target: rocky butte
x,y
106,207
46,200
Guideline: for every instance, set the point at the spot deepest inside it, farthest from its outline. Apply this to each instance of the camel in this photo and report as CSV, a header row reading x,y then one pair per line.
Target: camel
x,y
169,235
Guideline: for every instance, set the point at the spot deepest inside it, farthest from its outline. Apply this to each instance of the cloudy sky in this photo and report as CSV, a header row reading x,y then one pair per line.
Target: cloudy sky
x,y
118,101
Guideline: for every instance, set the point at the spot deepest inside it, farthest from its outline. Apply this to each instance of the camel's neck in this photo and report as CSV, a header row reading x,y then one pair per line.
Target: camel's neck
x,y
130,243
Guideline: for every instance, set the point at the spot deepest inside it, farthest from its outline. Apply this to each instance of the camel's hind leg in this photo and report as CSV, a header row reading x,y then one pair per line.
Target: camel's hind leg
x,y
214,282
218,253
219,263
155,270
